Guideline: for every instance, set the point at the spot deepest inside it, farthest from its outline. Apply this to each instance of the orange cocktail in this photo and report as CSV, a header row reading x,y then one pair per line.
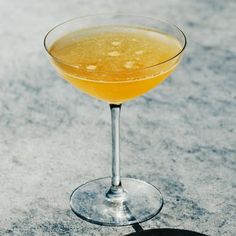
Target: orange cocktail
x,y
115,58
114,63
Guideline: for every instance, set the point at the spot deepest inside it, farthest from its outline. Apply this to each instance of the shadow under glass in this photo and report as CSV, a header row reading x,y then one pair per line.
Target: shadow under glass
x,y
165,232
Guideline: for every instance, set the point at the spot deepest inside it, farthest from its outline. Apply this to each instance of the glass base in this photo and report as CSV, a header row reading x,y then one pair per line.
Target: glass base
x,y
142,202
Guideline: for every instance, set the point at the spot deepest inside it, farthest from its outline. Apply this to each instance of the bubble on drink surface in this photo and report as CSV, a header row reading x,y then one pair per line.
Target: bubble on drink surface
x,y
116,43
114,54
140,52
78,66
91,67
129,64
134,39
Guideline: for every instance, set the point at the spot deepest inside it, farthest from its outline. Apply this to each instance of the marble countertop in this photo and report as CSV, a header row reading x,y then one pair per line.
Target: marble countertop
x,y
180,137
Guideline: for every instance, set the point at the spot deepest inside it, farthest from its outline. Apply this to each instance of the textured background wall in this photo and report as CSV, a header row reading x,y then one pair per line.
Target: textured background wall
x,y
180,137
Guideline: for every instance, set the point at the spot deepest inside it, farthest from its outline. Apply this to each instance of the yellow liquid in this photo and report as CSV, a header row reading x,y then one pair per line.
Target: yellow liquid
x,y
115,63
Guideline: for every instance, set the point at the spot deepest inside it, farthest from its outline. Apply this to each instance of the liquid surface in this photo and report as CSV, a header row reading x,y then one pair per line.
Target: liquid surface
x,y
91,59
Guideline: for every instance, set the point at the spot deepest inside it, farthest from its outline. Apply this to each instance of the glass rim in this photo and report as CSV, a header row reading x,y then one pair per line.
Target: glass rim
x,y
112,71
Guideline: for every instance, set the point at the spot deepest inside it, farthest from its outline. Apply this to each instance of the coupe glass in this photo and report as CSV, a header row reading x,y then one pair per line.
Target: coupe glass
x,y
116,201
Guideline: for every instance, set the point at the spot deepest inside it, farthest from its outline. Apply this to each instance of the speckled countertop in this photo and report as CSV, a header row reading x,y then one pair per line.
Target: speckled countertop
x,y
180,137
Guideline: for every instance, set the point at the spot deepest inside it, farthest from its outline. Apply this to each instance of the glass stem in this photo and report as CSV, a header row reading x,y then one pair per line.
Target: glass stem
x,y
115,124
116,191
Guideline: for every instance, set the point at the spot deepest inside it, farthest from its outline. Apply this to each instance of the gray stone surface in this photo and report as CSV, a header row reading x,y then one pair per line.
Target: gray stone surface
x,y
180,137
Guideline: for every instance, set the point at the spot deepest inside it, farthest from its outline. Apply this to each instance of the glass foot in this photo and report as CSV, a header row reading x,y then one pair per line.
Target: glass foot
x,y
142,202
